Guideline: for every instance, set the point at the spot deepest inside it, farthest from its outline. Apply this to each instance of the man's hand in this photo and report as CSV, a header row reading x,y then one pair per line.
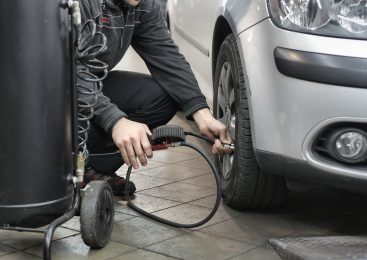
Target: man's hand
x,y
132,140
213,128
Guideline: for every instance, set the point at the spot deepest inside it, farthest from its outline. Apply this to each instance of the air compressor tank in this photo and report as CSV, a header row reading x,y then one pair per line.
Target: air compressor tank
x,y
35,113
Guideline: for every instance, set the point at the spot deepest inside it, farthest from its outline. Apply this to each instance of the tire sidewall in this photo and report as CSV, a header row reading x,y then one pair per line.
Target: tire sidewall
x,y
228,52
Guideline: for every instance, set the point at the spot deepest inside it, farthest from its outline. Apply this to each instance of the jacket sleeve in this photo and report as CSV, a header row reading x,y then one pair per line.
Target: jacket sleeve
x,y
152,41
106,114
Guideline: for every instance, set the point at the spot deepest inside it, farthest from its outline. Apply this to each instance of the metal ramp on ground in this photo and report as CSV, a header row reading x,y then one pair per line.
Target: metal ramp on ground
x,y
321,248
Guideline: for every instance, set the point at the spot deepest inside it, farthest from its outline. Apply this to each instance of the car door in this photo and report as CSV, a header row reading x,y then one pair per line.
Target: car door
x,y
192,30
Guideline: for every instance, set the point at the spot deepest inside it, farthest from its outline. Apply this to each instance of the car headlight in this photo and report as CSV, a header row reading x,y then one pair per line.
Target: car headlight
x,y
340,18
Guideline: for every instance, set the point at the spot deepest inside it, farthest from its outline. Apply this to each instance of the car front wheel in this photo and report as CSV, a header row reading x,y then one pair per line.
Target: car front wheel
x,y
244,184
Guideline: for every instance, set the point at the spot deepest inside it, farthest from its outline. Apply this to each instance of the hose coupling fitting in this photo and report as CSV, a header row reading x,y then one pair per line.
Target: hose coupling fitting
x,y
80,168
77,16
229,146
74,8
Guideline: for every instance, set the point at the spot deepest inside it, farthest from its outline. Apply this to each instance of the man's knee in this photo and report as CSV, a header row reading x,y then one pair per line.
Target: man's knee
x,y
140,97
159,110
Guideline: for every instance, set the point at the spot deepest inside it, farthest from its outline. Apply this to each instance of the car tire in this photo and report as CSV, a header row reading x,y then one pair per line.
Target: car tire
x,y
244,184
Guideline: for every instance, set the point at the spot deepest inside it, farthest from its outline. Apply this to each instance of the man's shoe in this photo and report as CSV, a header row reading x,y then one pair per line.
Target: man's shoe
x,y
116,182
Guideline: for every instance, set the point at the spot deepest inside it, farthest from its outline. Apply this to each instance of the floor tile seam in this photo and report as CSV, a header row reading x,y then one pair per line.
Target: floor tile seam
x,y
180,161
32,254
52,241
125,212
192,167
160,241
147,175
182,203
173,181
173,150
244,253
209,225
188,152
74,235
157,211
215,223
71,229
160,253
197,157
124,253
187,231
126,219
185,203
21,251
207,172
125,243
162,198
200,185
177,181
142,168
191,159
171,199
26,248
163,178
161,185
201,199
232,239
128,215
189,203
13,252
11,247
288,234
170,207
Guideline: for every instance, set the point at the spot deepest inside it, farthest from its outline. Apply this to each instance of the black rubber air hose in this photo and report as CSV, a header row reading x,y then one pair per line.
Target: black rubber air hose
x,y
176,134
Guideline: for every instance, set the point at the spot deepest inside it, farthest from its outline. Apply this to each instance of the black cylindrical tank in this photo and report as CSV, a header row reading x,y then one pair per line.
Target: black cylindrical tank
x,y
35,111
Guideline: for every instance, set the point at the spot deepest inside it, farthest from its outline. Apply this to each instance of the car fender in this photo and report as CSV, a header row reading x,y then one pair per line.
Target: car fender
x,y
242,14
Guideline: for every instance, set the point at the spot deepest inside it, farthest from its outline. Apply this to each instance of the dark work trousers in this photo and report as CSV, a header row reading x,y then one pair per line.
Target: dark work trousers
x,y
142,99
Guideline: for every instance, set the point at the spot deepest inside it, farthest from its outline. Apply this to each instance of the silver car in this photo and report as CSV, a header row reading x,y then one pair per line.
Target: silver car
x,y
289,79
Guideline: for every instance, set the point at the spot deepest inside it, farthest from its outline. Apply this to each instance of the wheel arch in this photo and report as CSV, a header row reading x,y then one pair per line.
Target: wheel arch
x,y
222,29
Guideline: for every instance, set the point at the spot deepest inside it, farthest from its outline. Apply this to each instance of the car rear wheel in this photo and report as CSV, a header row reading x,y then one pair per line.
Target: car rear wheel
x,y
244,184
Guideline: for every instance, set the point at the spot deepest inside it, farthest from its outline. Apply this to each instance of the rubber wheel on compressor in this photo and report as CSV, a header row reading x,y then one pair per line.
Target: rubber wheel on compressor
x,y
96,214
244,184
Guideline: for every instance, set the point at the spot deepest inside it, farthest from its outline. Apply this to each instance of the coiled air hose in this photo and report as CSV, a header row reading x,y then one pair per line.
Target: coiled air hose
x,y
173,136
90,44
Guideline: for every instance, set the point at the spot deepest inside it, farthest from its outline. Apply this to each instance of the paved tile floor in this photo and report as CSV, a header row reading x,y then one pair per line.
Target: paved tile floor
x,y
177,184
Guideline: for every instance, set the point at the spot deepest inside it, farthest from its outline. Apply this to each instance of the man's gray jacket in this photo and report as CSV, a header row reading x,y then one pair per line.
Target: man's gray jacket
x,y
143,27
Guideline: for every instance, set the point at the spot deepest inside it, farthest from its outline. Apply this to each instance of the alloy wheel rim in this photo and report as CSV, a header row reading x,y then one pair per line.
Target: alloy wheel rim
x,y
226,113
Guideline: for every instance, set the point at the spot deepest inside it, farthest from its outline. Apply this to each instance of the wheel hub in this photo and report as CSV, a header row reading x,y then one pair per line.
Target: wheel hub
x,y
226,112
105,215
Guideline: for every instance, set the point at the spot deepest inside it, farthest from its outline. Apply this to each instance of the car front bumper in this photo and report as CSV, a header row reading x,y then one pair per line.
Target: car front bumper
x,y
298,84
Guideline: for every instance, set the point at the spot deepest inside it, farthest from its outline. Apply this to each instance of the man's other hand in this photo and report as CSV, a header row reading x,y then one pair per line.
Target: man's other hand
x,y
213,128
132,140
